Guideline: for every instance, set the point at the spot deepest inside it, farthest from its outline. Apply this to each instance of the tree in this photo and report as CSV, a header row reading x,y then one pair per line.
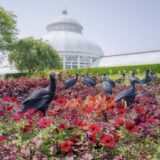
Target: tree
x,y
32,55
8,29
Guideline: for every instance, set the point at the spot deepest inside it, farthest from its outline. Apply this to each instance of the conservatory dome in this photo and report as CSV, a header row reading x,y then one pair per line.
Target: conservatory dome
x,y
76,51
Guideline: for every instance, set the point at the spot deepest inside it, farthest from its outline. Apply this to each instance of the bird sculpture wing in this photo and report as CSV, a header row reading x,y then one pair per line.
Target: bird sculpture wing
x,y
107,88
37,99
124,94
85,82
90,81
142,81
110,81
69,83
145,80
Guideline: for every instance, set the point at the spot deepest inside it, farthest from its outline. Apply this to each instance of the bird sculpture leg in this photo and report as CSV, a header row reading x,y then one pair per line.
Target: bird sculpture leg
x,y
43,110
128,104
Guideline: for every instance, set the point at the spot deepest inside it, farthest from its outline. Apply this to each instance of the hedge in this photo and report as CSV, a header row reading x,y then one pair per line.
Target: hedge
x,y
118,69
109,70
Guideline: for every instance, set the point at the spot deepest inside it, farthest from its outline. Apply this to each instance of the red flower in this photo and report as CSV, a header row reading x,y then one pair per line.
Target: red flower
x,y
62,126
45,123
16,117
94,128
14,99
80,124
130,127
111,144
93,137
9,108
88,109
6,99
107,140
27,128
121,111
116,136
119,122
66,146
139,110
31,112
2,138
150,120
61,101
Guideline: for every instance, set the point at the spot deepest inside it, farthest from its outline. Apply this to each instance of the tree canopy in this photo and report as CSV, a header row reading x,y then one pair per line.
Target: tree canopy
x,y
8,29
32,55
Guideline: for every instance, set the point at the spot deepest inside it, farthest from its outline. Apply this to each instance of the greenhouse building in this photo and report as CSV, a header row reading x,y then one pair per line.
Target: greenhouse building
x,y
76,51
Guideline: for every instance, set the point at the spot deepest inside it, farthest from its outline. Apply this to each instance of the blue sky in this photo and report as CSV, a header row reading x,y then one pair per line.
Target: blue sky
x,y
118,26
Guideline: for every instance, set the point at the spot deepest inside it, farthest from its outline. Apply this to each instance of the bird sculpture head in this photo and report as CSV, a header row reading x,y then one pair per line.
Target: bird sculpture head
x,y
77,75
152,73
52,76
134,80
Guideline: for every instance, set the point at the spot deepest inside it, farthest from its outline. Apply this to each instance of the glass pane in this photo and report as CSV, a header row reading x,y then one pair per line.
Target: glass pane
x,y
74,63
85,59
82,66
72,58
68,63
74,66
68,66
93,59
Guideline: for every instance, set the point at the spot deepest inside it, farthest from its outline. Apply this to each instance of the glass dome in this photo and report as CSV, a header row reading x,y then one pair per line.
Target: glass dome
x,y
76,51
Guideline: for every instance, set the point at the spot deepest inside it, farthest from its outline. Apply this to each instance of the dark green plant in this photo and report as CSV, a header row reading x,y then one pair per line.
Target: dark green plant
x,y
32,55
8,29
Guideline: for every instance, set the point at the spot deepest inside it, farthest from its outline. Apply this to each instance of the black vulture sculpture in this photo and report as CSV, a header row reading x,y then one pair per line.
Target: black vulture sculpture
x,y
152,75
41,98
128,94
107,79
107,87
70,82
133,77
88,81
147,78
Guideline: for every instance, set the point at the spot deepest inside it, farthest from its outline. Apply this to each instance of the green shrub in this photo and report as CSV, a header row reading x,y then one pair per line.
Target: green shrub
x,y
139,69
15,75
118,69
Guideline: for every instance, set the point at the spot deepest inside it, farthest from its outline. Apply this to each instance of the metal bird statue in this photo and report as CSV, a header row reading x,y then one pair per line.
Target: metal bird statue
x,y
152,75
70,82
147,78
133,77
128,94
107,87
41,98
112,82
88,81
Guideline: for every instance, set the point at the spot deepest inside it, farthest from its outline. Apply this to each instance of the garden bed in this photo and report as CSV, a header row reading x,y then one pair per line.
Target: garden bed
x,y
81,123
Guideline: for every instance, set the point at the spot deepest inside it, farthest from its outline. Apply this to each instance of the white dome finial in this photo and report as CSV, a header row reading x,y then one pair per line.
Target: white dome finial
x,y
64,12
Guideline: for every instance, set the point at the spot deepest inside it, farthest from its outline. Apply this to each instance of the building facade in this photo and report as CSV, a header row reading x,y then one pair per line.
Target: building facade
x,y
126,59
76,51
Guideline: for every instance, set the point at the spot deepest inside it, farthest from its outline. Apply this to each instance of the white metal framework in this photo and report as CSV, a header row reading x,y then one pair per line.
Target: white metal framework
x,y
65,35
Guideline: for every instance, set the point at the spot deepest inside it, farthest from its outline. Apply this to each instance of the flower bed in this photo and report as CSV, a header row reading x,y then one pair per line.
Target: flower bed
x,y
81,123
